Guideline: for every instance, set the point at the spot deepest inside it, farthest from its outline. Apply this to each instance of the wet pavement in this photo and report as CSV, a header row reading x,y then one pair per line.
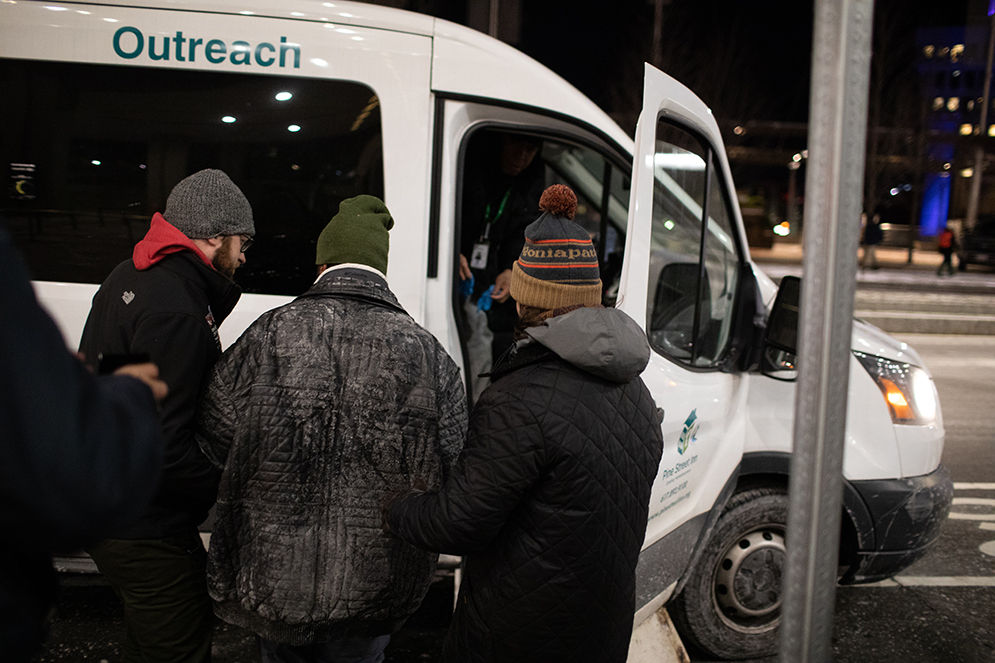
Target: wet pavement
x,y
89,628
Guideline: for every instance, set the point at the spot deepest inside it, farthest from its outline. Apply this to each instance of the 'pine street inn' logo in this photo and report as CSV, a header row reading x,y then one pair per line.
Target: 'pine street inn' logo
x,y
689,432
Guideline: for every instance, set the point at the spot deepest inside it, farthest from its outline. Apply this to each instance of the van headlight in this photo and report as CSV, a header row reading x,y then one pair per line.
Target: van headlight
x,y
906,388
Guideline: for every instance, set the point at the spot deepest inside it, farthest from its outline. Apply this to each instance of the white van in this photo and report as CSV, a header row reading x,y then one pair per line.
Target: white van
x,y
305,103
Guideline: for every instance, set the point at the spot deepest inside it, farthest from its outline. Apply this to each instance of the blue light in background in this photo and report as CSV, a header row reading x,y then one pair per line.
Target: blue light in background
x,y
935,204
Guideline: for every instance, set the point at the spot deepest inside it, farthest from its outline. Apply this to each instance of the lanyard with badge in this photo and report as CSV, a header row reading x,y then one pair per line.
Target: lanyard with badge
x,y
478,259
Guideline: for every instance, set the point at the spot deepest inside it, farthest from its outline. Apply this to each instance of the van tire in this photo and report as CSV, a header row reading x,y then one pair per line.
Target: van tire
x,y
730,607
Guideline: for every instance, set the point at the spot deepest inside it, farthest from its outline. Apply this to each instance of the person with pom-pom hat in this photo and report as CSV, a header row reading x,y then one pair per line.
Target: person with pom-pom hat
x,y
548,501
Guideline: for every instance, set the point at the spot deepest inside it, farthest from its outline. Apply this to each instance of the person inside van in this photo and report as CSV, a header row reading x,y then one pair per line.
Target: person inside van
x,y
504,180
549,499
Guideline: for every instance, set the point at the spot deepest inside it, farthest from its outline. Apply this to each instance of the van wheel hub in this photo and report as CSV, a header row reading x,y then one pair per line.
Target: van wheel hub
x,y
748,577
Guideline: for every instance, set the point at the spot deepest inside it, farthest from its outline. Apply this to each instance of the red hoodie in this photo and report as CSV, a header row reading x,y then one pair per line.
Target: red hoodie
x,y
162,239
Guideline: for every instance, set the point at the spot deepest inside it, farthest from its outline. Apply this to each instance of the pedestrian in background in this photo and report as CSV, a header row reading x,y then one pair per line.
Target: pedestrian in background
x,y
946,244
320,408
548,502
872,238
79,454
167,302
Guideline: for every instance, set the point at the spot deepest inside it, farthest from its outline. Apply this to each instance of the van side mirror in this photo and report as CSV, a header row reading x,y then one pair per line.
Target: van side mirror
x,y
780,346
744,350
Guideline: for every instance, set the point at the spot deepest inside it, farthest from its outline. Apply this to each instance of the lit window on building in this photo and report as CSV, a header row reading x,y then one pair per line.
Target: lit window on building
x,y
966,129
956,52
967,172
953,103
937,103
928,51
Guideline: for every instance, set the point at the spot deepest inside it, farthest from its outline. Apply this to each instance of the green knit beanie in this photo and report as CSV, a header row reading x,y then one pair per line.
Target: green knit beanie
x,y
358,233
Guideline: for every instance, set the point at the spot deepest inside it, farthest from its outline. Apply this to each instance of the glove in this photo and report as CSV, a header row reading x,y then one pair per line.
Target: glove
x,y
466,287
484,303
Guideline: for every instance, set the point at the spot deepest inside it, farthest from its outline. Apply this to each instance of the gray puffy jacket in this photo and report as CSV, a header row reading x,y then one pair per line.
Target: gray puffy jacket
x,y
319,410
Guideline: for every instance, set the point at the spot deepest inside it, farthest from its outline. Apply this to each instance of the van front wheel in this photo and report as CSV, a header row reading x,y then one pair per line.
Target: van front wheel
x,y
731,605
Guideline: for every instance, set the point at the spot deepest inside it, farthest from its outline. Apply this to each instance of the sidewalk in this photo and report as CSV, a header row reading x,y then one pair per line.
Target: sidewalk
x,y
894,273
902,297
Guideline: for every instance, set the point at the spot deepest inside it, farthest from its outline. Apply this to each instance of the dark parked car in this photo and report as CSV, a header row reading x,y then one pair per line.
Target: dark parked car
x,y
977,247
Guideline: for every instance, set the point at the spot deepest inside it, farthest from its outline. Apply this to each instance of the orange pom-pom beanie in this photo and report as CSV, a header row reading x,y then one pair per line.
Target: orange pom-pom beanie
x,y
559,264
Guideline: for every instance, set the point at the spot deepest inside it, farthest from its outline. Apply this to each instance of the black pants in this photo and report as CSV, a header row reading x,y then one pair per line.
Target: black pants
x,y
163,586
947,264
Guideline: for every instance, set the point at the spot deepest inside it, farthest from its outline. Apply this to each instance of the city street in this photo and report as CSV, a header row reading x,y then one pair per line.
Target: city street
x,y
941,608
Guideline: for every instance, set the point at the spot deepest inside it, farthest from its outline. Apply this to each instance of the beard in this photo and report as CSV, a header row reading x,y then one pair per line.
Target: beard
x,y
223,261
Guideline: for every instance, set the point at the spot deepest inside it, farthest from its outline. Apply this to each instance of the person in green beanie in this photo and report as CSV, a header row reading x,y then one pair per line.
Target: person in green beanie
x,y
321,408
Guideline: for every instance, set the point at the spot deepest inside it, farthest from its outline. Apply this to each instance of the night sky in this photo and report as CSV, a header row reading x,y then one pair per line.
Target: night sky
x,y
748,59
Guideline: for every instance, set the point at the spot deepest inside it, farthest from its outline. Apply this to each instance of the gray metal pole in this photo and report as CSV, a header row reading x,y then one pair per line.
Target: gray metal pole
x,y
494,19
981,132
837,137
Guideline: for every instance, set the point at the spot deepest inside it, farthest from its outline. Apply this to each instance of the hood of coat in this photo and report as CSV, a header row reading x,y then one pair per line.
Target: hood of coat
x,y
163,239
603,341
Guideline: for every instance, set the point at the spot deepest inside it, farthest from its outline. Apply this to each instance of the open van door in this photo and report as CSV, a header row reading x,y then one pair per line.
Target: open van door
x,y
684,279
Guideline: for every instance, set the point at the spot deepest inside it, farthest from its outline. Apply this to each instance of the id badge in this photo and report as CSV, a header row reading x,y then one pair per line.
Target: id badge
x,y
478,259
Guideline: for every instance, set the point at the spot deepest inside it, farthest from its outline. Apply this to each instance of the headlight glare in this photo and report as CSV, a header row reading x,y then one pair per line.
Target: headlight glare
x,y
907,389
922,388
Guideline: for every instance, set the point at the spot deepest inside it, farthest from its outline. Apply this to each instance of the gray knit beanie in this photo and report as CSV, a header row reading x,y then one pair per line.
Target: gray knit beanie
x,y
207,204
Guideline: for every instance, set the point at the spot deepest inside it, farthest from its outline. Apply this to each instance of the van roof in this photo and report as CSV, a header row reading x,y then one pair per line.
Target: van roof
x,y
465,62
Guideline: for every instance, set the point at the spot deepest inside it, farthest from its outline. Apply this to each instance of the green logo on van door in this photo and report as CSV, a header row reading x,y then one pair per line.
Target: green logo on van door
x,y
689,432
130,43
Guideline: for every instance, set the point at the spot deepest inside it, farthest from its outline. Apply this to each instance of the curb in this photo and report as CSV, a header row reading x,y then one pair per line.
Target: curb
x,y
900,322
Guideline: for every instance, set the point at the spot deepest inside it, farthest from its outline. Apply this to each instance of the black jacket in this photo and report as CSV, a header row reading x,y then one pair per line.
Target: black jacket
x,y
549,499
170,310
321,408
79,455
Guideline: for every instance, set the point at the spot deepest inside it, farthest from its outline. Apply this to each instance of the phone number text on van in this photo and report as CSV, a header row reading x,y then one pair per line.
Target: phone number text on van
x,y
130,42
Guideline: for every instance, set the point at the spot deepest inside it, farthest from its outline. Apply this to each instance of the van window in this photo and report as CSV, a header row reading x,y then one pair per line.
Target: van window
x,y
694,264
92,151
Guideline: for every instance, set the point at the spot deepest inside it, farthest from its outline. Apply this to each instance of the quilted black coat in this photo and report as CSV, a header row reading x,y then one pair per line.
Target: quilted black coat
x,y
549,499
321,408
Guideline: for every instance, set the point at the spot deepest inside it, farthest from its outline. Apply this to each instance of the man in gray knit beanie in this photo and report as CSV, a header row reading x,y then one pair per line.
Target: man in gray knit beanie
x,y
167,303
208,204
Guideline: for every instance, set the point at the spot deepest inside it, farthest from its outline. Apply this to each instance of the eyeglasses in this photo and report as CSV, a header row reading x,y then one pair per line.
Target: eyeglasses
x,y
246,242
